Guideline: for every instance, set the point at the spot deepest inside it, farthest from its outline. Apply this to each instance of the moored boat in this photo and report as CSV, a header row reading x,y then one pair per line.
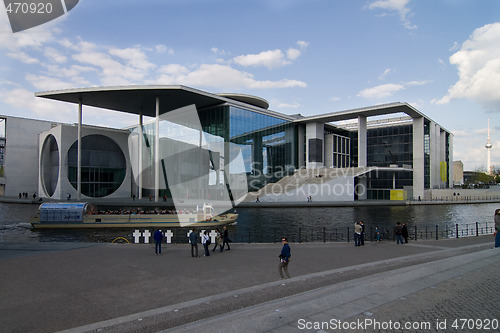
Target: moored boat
x,y
83,215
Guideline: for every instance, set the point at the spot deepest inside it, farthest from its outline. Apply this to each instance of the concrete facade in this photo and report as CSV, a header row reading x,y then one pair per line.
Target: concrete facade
x,y
21,154
64,137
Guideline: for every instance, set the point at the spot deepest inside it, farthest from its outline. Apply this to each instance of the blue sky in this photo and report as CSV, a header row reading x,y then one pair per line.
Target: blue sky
x,y
303,56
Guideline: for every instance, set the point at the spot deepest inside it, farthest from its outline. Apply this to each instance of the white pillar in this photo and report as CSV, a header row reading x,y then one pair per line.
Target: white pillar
x,y
418,157
79,154
362,159
141,138
315,145
157,150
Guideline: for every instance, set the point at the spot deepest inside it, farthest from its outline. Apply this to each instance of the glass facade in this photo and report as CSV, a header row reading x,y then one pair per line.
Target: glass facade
x,y
427,154
386,146
225,145
103,166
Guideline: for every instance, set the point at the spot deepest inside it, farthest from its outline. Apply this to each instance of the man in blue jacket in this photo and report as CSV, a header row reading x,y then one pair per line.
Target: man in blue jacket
x,y
158,237
284,258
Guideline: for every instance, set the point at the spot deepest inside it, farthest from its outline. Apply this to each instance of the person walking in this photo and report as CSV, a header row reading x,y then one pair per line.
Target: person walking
x,y
225,239
284,258
205,240
398,231
404,232
377,234
357,234
158,237
193,240
218,240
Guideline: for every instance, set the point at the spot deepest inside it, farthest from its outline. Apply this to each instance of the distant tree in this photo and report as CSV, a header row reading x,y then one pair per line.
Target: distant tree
x,y
481,177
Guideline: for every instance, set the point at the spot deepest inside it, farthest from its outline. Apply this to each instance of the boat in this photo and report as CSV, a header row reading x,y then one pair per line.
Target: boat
x,y
63,215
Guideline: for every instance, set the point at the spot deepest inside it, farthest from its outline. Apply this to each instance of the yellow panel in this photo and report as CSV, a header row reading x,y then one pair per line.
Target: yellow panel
x,y
442,169
397,195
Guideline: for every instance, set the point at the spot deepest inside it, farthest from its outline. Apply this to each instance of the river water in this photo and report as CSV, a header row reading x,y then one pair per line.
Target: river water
x,y
269,224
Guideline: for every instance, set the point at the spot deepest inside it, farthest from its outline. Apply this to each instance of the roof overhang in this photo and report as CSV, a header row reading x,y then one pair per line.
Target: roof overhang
x,y
371,111
137,99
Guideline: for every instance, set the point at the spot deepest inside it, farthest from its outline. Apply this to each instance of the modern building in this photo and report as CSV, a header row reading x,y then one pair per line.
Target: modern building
x,y
194,144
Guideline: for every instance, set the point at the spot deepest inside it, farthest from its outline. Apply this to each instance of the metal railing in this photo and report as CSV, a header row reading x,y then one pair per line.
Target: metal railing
x,y
346,234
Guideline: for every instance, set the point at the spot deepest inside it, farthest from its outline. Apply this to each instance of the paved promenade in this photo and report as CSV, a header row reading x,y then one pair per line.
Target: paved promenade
x,y
48,287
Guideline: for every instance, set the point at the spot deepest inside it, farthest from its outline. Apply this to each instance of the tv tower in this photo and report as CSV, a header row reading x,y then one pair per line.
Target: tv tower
x,y
488,146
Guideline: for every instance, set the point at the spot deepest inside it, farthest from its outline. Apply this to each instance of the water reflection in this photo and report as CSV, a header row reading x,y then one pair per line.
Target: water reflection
x,y
268,224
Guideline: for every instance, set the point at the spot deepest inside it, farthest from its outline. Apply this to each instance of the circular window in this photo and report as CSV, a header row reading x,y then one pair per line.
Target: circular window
x,y
49,165
103,166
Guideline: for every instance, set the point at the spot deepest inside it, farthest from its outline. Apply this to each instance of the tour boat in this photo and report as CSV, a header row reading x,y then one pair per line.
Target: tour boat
x,y
83,215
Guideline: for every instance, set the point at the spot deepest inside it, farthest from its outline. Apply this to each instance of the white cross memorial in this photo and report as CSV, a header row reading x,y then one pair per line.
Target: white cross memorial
x,y
146,235
168,235
137,235
212,235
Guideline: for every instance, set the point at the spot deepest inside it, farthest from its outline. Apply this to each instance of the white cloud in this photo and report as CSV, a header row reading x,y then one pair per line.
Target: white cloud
x,y
271,58
23,57
288,106
219,76
381,91
384,74
399,6
24,99
54,55
389,89
302,44
469,148
454,47
160,48
478,64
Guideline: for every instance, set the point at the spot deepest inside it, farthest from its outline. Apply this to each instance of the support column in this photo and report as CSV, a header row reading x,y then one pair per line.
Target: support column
x,y
418,158
362,159
141,138
157,150
315,145
79,154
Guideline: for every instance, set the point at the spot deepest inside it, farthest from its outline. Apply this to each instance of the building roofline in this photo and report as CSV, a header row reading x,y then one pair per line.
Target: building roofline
x,y
141,99
369,111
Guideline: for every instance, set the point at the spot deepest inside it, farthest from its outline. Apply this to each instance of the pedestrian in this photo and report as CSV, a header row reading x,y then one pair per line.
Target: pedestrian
x,y
398,231
205,240
357,234
377,234
362,238
284,258
225,239
218,239
158,237
404,232
257,200
193,240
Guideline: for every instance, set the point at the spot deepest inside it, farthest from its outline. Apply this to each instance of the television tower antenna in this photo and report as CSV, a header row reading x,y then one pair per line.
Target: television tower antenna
x,y
488,146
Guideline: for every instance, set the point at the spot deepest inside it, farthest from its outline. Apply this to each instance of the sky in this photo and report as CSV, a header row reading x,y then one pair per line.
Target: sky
x,y
303,56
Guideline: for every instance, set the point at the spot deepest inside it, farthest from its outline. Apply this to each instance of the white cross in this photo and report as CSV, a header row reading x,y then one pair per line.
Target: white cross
x,y
212,235
136,235
168,236
146,235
